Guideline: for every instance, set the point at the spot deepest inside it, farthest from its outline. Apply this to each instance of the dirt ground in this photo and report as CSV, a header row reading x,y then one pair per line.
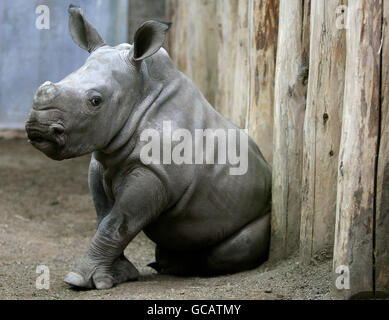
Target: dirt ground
x,y
47,218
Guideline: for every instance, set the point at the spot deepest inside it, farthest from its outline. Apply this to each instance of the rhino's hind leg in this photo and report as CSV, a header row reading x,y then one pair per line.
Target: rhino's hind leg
x,y
244,250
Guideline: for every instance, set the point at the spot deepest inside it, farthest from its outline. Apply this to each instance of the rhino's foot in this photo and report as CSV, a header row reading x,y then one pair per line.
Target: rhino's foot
x,y
89,274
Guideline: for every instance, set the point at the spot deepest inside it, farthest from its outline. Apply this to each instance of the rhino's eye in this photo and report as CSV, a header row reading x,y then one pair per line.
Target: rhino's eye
x,y
95,101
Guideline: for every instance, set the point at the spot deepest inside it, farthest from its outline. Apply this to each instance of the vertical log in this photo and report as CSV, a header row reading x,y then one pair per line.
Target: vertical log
x,y
382,216
358,149
263,50
289,107
234,63
193,42
246,62
322,129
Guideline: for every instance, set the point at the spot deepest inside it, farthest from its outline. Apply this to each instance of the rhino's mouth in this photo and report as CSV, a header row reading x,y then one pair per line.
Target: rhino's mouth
x,y
45,143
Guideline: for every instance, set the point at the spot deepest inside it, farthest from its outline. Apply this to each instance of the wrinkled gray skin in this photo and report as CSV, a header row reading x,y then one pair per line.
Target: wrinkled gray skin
x,y
203,220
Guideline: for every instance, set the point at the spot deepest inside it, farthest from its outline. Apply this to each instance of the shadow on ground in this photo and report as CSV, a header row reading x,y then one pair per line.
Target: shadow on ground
x,y
47,218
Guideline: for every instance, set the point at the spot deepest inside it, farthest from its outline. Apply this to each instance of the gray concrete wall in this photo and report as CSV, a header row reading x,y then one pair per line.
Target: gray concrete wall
x,y
29,56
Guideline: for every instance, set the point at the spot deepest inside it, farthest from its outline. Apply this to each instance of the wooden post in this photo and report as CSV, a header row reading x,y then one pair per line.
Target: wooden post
x,y
193,42
355,212
246,64
234,62
263,50
322,128
289,108
382,216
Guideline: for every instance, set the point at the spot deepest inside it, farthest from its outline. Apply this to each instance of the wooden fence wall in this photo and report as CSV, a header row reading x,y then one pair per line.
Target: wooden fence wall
x,y
309,80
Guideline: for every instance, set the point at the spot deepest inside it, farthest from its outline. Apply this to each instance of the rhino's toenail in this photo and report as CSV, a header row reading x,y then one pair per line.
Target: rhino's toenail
x,y
102,284
74,279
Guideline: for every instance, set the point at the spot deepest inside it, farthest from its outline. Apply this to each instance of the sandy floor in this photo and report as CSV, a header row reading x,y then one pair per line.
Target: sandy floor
x,y
47,218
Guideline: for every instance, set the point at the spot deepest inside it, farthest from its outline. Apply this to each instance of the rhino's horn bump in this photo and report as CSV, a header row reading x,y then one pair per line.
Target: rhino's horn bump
x,y
74,9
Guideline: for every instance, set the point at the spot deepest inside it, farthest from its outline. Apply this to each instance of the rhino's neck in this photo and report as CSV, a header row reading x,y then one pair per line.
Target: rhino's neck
x,y
118,148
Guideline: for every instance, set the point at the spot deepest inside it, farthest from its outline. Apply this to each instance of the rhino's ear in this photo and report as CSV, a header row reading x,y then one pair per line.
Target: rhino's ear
x,y
82,31
149,39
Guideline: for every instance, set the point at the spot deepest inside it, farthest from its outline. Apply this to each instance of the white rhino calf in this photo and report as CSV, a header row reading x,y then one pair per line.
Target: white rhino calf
x,y
203,219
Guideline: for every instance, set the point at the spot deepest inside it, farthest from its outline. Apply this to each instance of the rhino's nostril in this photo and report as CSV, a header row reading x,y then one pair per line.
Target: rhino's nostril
x,y
57,129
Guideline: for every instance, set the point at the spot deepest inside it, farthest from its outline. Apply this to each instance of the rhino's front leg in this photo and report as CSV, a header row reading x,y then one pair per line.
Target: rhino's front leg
x,y
124,269
140,199
103,203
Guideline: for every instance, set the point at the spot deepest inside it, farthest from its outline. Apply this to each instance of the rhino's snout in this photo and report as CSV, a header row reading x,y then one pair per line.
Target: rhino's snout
x,y
49,139
45,125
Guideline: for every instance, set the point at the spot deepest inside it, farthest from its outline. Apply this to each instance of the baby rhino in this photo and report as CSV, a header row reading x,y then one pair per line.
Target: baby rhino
x,y
148,128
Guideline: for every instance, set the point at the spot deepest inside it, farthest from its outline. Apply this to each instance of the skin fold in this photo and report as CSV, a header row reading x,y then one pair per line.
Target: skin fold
x,y
203,220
